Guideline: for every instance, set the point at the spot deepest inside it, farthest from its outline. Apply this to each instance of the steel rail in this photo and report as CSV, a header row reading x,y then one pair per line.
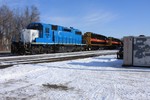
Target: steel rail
x,y
30,59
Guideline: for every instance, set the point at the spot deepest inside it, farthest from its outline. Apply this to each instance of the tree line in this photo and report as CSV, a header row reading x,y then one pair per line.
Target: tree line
x,y
13,21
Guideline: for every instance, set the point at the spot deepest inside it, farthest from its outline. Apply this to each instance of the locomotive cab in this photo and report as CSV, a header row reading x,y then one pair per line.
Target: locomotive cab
x,y
26,38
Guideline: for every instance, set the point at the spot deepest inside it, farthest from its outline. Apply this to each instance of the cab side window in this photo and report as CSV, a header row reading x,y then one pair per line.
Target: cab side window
x,y
54,27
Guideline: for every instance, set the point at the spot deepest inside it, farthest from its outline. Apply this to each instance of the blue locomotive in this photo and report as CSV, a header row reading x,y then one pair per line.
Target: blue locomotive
x,y
47,38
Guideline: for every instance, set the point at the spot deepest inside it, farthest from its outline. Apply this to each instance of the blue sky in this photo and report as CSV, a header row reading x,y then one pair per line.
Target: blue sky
x,y
116,18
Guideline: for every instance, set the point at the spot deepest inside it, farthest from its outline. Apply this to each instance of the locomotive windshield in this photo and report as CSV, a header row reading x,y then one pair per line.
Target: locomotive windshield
x,y
35,26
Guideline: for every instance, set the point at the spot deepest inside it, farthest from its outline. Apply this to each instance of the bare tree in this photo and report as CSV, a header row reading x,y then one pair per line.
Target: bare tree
x,y
35,14
6,16
30,15
13,21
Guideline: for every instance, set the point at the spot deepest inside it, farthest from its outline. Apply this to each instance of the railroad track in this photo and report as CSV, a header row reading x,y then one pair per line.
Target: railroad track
x,y
41,58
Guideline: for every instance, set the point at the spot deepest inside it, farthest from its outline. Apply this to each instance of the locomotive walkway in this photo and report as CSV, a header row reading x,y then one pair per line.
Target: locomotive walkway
x,y
42,58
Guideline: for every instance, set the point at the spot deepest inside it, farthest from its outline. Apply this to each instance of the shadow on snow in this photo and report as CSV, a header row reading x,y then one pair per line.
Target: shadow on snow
x,y
103,64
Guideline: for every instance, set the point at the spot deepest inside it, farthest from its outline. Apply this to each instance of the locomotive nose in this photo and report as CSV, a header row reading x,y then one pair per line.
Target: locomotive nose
x,y
28,35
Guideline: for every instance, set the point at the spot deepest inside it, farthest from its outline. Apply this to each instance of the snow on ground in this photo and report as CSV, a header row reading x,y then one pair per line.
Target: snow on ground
x,y
97,78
